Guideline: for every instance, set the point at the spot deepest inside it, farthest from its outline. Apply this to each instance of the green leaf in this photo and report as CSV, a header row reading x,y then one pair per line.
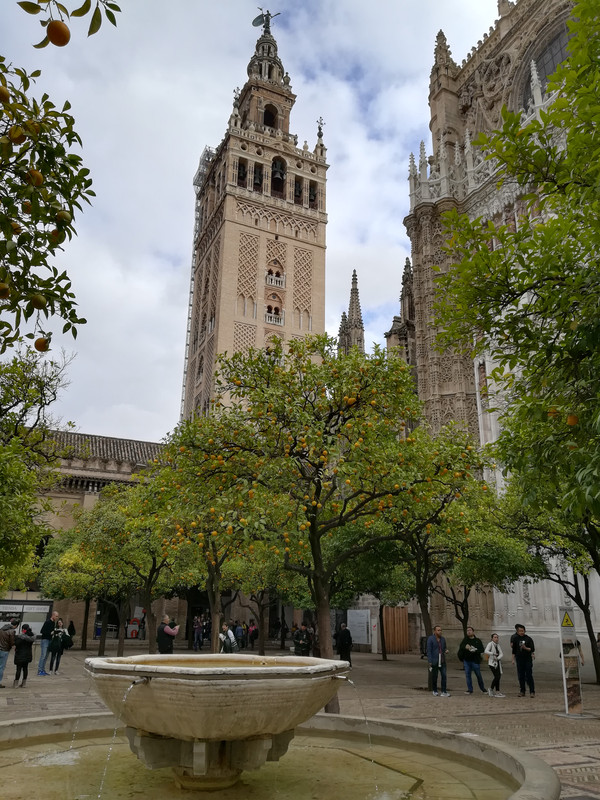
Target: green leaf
x,y
96,22
30,8
44,43
82,10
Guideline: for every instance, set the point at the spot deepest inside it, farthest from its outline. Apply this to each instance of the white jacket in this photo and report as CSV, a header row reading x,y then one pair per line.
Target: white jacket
x,y
494,660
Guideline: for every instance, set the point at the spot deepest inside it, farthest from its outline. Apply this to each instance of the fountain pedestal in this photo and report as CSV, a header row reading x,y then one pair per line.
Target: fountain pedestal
x,y
206,764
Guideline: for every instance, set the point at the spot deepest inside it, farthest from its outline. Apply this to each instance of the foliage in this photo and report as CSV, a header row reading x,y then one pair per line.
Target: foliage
x,y
21,517
313,449
28,387
58,11
42,184
529,295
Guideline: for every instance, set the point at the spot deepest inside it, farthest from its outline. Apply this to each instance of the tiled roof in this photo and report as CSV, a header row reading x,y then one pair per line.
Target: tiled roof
x,y
106,448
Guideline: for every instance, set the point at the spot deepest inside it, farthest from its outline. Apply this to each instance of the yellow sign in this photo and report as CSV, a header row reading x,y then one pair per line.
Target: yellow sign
x,y
567,622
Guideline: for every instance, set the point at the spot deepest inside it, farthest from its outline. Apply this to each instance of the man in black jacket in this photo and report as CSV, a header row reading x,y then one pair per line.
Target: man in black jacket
x,y
469,653
523,653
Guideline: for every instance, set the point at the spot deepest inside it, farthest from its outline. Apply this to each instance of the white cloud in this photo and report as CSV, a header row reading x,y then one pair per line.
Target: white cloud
x,y
149,95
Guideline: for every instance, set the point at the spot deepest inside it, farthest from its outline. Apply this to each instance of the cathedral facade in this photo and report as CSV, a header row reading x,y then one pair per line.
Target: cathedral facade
x,y
509,66
258,268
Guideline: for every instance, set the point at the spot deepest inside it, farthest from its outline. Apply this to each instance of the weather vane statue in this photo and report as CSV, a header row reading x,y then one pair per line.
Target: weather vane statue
x,y
264,18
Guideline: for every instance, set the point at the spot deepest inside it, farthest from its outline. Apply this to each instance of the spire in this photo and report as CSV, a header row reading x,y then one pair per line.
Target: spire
x,y
352,330
265,64
442,54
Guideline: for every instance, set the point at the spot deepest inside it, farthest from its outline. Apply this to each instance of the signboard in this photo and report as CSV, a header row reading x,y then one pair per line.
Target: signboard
x,y
570,650
359,625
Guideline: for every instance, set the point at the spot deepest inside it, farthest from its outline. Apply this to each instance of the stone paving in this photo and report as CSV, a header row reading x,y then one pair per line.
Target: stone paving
x,y
394,689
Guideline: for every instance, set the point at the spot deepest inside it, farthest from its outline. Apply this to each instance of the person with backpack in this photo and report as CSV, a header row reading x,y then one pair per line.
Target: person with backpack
x,y
228,641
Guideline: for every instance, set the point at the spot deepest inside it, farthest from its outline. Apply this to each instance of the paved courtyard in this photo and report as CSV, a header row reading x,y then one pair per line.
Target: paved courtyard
x,y
394,689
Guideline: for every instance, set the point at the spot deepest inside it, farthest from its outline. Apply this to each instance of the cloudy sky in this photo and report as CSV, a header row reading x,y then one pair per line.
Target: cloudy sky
x,y
150,94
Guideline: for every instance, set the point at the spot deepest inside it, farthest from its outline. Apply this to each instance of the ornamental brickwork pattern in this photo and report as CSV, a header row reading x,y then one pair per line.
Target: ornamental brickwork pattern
x,y
303,278
247,265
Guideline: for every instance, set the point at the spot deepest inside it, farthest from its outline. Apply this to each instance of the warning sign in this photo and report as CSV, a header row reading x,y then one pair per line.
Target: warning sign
x,y
567,622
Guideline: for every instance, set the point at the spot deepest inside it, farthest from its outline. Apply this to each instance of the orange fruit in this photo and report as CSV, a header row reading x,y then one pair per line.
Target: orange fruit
x,y
26,207
63,216
16,134
4,291
56,237
58,33
38,301
572,419
552,412
42,344
35,177
4,94
16,227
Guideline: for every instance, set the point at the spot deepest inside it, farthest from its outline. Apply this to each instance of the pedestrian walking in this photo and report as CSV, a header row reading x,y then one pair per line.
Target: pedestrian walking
x,y
523,655
470,652
493,653
23,654
47,629
436,658
344,644
229,643
7,641
302,641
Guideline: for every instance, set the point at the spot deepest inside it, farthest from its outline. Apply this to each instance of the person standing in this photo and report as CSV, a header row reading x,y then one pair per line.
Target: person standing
x,y
436,658
60,642
302,641
344,644
47,629
494,654
470,652
523,654
7,641
228,641
165,635
198,626
23,654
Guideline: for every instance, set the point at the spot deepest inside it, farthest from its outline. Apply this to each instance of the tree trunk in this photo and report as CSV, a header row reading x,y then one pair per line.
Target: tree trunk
x,y
325,640
122,608
282,630
382,634
150,624
423,601
263,618
86,622
103,630
215,618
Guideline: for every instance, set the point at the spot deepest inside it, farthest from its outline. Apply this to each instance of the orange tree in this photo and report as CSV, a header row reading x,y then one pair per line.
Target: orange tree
x,y
128,534
43,184
315,447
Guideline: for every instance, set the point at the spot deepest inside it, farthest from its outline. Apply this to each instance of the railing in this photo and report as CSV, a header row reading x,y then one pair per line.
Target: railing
x,y
273,280
274,319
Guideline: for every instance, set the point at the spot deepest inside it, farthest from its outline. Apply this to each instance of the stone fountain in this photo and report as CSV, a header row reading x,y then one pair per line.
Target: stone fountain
x,y
212,717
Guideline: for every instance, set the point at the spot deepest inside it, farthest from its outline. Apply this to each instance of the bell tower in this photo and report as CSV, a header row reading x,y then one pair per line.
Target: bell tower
x,y
258,266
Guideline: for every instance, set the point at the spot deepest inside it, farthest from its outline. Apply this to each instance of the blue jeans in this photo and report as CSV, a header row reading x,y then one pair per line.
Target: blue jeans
x,y
435,669
44,645
471,666
3,660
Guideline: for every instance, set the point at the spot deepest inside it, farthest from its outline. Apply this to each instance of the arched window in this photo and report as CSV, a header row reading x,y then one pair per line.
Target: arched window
x,y
313,197
547,61
298,187
258,178
278,170
270,116
242,173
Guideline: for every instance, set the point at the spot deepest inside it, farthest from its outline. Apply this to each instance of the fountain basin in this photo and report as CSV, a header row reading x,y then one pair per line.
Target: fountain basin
x,y
215,697
212,717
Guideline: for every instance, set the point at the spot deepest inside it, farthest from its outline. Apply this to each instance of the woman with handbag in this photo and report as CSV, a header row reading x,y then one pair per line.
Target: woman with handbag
x,y
493,653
